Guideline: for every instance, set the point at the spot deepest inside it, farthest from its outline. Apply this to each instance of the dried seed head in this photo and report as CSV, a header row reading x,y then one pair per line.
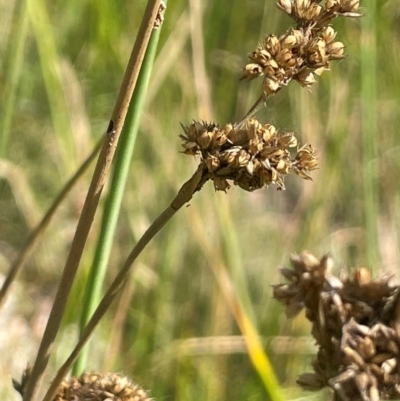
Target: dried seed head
x,y
302,52
254,156
355,323
295,55
99,387
306,280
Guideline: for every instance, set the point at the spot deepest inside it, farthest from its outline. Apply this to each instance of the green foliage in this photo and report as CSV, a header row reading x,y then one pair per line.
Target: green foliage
x,y
172,330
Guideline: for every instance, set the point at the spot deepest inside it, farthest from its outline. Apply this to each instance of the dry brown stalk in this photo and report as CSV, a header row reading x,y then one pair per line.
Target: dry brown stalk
x,y
184,195
92,199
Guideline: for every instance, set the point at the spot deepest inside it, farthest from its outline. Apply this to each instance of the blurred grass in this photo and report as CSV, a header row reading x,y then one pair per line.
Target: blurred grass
x,y
369,124
173,297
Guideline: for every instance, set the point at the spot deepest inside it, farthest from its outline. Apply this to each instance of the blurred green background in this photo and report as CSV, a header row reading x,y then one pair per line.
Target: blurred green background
x,y
172,331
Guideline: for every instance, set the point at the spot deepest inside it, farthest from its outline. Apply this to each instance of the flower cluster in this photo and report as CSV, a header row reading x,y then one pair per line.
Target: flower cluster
x,y
100,387
355,323
311,13
252,157
304,51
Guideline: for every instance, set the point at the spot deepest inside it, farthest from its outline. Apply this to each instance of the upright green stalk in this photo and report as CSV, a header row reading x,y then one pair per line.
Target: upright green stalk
x,y
114,198
369,122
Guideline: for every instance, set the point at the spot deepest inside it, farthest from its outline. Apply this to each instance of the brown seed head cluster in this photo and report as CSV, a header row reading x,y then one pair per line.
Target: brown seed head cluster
x,y
252,157
304,51
355,321
100,387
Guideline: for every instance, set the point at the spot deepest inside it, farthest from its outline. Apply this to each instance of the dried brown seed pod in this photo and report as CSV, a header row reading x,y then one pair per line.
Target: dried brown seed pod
x,y
253,156
354,321
303,51
100,387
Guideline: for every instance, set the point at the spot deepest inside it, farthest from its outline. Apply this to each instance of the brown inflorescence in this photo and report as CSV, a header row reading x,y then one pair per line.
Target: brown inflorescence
x,y
253,156
100,387
355,321
304,51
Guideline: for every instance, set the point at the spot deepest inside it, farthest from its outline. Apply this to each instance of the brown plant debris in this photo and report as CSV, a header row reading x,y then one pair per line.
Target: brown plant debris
x,y
355,322
100,387
303,51
252,157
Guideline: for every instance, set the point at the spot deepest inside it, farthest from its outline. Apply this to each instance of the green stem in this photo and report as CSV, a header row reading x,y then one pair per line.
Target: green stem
x,y
113,202
92,199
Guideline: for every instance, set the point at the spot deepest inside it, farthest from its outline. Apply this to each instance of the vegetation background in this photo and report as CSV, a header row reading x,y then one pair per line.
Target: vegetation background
x,y
61,64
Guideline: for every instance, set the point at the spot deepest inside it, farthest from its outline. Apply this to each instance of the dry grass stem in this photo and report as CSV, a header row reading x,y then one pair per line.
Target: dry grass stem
x,y
92,199
184,195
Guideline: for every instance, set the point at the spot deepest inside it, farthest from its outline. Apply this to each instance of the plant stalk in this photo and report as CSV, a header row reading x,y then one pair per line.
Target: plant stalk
x,y
184,196
92,200
114,198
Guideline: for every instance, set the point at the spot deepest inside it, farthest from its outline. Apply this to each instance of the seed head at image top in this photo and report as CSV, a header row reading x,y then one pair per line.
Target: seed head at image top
x,y
303,51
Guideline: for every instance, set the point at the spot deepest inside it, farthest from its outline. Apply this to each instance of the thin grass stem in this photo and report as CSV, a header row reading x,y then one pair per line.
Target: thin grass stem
x,y
259,103
114,198
184,196
92,199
